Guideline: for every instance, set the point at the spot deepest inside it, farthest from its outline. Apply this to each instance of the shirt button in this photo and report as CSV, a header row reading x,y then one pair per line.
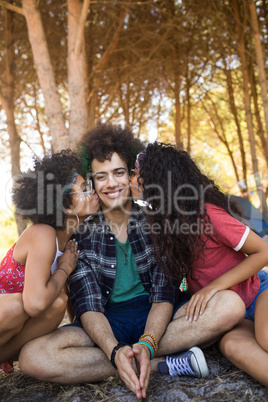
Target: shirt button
x,y
111,238
112,266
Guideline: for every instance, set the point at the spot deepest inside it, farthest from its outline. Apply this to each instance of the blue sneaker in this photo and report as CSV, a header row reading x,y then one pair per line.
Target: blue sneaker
x,y
191,363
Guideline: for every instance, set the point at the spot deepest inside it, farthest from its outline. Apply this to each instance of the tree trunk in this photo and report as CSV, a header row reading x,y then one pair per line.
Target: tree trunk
x,y
92,107
124,101
7,101
188,101
38,127
237,123
178,138
45,75
127,102
222,137
77,69
259,57
99,69
260,130
240,27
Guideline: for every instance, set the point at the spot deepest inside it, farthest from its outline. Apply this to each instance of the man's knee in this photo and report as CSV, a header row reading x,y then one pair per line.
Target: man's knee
x,y
36,358
44,357
229,308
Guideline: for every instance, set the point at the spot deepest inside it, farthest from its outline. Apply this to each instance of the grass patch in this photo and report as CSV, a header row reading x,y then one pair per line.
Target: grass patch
x,y
225,383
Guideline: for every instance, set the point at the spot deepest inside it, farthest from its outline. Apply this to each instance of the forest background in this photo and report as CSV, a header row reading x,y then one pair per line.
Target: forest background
x,y
188,72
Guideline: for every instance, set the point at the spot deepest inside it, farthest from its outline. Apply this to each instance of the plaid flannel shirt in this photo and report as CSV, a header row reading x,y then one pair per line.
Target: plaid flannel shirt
x,y
92,281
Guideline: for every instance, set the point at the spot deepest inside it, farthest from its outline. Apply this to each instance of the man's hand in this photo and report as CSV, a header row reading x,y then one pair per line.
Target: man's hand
x,y
142,359
124,358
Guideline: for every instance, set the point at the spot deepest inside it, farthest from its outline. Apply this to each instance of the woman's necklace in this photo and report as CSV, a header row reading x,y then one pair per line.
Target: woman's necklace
x,y
123,249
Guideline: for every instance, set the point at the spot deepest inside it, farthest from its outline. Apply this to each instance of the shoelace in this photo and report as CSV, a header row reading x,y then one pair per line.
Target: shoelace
x,y
179,366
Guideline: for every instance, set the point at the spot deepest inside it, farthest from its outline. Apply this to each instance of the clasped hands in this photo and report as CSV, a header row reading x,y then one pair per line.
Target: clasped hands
x,y
140,356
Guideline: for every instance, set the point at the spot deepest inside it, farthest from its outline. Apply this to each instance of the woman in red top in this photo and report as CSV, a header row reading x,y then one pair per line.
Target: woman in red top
x,y
55,198
197,228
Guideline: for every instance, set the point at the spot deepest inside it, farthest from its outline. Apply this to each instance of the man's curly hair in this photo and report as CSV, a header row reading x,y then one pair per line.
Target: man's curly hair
x,y
165,170
41,193
103,140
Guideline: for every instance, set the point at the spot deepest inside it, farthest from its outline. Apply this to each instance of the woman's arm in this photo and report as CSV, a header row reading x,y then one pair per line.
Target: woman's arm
x,y
256,249
40,287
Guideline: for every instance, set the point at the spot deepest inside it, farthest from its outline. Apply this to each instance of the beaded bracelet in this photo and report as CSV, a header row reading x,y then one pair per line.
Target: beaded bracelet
x,y
153,339
63,269
149,347
115,349
150,343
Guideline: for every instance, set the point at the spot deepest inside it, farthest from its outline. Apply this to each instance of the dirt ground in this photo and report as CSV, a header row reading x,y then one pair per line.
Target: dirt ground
x,y
225,383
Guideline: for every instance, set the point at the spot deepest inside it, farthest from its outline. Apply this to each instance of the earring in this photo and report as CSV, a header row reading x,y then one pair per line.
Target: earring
x,y
78,223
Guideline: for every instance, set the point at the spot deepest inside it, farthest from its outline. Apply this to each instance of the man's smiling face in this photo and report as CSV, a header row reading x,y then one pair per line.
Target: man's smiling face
x,y
111,180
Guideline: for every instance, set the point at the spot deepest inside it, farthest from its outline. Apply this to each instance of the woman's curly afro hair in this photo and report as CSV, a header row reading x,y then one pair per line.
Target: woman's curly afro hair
x,y
176,190
41,194
103,140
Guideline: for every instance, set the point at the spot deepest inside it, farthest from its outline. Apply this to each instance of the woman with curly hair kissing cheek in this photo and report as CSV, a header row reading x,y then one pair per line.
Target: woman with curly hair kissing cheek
x,y
55,198
199,231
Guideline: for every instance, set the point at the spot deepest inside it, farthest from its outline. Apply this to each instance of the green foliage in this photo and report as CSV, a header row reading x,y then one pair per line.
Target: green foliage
x,y
165,51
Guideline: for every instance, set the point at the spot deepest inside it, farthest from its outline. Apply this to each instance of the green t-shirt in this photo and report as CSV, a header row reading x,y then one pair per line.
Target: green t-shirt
x,y
127,283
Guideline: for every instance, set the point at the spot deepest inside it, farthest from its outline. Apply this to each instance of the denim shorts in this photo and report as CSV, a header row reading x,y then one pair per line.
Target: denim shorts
x,y
250,311
128,319
184,298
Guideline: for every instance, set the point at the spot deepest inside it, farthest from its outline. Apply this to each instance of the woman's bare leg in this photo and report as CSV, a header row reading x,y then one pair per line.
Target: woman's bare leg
x,y
12,316
242,345
35,327
261,320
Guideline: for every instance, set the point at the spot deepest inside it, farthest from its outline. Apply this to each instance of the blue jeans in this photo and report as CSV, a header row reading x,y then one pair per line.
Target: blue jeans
x,y
250,311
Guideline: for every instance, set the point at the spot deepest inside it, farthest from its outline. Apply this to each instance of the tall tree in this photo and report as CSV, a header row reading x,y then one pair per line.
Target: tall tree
x,y
259,58
218,126
259,124
234,111
45,73
7,91
241,47
77,69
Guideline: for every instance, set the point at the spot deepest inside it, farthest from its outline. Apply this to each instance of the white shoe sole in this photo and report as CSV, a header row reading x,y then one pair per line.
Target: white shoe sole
x,y
199,363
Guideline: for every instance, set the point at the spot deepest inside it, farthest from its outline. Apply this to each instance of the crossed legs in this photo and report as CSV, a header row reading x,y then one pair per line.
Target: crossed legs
x,y
68,356
65,356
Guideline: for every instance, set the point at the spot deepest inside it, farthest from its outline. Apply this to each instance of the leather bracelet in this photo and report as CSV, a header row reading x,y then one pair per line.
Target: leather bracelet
x,y
115,349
